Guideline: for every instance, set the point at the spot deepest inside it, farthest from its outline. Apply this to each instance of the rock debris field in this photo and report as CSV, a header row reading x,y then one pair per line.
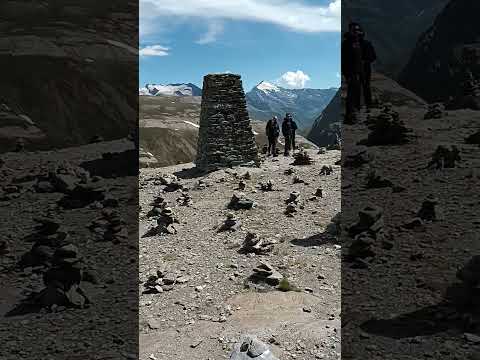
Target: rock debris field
x,y
68,252
241,253
410,232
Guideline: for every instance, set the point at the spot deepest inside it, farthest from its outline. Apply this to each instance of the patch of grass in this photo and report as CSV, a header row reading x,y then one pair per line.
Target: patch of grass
x,y
285,285
170,257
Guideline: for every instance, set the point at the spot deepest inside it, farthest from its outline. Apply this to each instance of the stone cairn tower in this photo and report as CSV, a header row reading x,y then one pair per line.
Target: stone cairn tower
x,y
225,136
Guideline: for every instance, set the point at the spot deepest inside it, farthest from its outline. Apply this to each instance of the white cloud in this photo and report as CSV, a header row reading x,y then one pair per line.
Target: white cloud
x,y
154,50
293,79
294,15
215,28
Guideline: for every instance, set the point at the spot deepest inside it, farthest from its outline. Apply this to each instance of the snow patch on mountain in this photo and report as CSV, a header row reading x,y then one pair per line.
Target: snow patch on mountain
x,y
266,100
170,90
266,86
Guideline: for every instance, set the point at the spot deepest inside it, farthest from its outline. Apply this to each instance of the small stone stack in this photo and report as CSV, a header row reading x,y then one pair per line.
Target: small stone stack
x,y
430,211
386,129
443,157
435,111
367,232
225,135
266,273
230,224
302,158
185,199
267,186
239,201
257,245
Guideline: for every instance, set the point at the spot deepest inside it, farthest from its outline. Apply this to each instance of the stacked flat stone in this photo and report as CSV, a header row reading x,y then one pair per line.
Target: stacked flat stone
x,y
225,135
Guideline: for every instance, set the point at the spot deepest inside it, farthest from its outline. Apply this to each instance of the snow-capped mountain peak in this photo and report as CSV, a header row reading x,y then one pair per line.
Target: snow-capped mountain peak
x,y
170,89
266,86
266,100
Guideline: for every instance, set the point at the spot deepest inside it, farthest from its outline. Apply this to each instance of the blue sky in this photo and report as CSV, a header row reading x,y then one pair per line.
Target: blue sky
x,y
294,44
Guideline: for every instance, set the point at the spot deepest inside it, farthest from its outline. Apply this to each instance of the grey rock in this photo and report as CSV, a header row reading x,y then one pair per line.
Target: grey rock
x,y
249,347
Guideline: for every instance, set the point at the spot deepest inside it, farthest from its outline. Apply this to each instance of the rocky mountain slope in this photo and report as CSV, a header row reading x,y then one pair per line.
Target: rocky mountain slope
x,y
198,290
169,130
393,27
171,90
71,50
401,295
266,100
57,202
327,127
435,69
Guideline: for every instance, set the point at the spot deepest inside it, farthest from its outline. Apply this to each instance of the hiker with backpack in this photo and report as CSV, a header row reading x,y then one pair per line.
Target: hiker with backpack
x,y
272,131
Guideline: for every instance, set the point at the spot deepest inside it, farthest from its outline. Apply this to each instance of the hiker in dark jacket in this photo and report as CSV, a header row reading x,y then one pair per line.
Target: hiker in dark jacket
x,y
358,55
294,129
273,131
287,134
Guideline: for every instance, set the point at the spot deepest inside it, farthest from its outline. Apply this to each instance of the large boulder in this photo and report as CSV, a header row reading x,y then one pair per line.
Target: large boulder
x,y
249,347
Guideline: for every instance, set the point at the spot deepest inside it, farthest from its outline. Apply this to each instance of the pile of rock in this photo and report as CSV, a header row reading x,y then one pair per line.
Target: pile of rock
x,y
430,211
185,199
64,177
239,201
435,111
366,233
109,227
386,129
469,96
230,224
357,159
162,281
62,284
299,180
326,170
158,204
266,273
250,347
292,203
170,183
225,135
165,222
293,198
267,186
466,294
247,176
302,158
444,157
49,235
376,181
255,244
242,185
201,185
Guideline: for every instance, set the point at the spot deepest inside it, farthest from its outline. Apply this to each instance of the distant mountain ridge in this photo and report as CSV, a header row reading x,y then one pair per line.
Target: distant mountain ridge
x,y
263,101
266,100
327,126
179,89
436,68
392,27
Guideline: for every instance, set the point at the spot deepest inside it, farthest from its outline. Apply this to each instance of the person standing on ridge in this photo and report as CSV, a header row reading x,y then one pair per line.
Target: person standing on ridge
x,y
294,129
272,131
368,57
357,56
287,134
